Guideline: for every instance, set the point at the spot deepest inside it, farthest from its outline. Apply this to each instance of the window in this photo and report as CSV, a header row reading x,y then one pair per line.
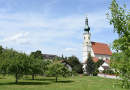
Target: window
x,y
84,38
88,38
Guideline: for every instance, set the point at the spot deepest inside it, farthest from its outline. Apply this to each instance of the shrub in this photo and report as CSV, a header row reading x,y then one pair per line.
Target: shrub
x,y
74,73
85,74
111,72
95,73
104,71
97,70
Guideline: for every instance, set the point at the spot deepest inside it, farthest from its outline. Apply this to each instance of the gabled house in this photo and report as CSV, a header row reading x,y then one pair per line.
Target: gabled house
x,y
68,65
104,66
49,57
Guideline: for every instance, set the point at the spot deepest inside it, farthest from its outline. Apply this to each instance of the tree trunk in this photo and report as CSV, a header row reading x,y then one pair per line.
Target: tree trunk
x,y
56,79
16,78
32,76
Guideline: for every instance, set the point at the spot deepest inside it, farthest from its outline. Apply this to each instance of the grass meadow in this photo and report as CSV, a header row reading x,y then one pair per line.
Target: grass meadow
x,y
49,83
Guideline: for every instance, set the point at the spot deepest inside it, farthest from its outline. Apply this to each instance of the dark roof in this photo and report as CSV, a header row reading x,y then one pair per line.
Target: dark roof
x,y
65,62
49,56
105,67
101,48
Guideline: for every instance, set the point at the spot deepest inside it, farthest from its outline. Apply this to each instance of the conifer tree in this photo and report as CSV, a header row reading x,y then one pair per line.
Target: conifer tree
x,y
90,64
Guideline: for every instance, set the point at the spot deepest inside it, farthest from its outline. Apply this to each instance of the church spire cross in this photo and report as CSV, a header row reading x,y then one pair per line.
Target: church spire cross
x,y
86,28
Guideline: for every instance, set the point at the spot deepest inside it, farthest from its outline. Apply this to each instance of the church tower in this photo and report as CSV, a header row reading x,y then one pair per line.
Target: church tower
x,y
87,46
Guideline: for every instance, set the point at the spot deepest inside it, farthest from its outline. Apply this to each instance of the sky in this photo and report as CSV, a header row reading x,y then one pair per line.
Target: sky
x,y
54,26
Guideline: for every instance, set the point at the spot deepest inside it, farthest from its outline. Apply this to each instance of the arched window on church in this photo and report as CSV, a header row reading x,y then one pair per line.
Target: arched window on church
x,y
84,38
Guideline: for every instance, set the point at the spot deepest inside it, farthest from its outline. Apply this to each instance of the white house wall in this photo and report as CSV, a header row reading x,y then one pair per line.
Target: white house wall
x,y
100,69
69,67
105,64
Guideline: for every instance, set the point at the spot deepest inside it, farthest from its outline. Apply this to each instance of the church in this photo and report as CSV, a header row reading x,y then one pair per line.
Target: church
x,y
97,50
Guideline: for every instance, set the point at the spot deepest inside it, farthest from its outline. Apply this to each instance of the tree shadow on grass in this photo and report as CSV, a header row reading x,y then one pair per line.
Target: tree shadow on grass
x,y
2,78
68,81
42,79
52,80
25,83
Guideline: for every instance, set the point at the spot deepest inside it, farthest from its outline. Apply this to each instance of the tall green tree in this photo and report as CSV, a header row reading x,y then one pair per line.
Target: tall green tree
x,y
73,60
38,54
56,69
90,64
15,63
35,66
120,59
1,49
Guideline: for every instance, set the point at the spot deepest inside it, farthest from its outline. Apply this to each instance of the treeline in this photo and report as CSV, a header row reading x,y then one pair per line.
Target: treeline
x,y
73,60
17,63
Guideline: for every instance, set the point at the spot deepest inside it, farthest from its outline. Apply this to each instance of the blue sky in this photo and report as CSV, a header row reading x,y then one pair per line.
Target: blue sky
x,y
54,26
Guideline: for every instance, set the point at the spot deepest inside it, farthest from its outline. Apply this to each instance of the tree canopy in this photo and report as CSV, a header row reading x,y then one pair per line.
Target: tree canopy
x,y
73,60
56,69
120,59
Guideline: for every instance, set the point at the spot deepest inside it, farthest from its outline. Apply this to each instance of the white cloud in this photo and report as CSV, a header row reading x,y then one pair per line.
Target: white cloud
x,y
18,39
23,41
26,34
74,49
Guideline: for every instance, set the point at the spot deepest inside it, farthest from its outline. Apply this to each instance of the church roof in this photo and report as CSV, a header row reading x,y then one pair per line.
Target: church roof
x,y
95,59
101,48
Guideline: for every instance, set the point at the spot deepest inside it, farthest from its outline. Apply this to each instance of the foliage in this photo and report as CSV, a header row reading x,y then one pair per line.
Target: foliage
x,y
95,73
74,73
111,72
73,60
56,70
36,66
85,74
104,71
97,70
1,49
98,63
120,60
90,65
38,54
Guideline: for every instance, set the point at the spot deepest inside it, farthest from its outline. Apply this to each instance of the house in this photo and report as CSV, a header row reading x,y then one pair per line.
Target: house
x,y
104,66
68,65
96,49
49,57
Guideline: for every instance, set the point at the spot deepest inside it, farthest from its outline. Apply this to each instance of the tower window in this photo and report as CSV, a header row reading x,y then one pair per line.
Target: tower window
x,y
84,38
88,38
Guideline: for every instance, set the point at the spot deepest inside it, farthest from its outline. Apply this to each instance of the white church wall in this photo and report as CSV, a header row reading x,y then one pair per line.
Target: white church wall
x,y
102,56
92,53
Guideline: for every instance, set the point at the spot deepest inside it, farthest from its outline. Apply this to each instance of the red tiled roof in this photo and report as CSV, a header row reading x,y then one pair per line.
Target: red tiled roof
x,y
94,59
108,61
101,48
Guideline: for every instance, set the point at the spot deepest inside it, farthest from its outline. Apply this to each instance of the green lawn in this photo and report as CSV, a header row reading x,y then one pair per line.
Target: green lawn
x,y
48,83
